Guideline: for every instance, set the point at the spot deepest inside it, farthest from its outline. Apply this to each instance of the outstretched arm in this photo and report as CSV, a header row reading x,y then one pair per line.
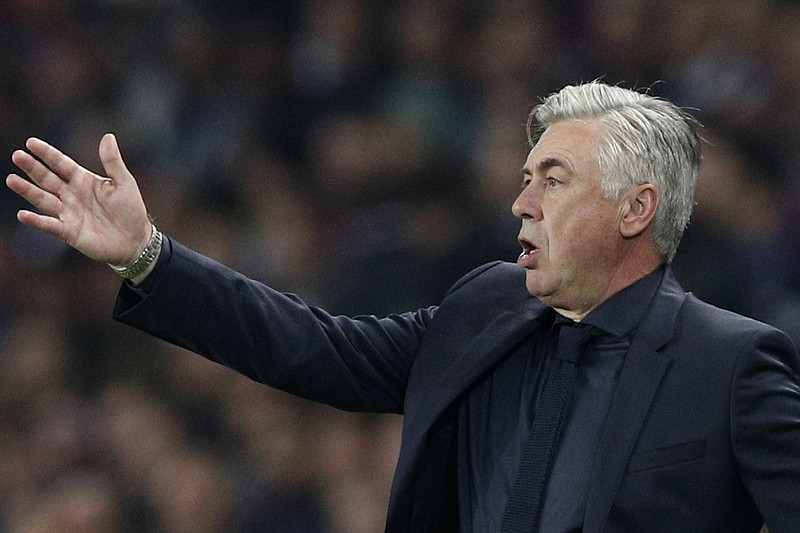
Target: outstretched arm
x,y
103,217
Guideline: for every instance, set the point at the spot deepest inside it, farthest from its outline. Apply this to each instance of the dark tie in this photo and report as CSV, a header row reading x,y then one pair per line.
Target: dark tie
x,y
524,506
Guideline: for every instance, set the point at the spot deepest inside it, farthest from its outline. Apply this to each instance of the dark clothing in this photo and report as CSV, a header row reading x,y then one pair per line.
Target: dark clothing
x,y
496,416
702,431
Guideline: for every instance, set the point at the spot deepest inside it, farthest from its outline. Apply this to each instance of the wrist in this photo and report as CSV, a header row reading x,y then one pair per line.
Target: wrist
x,y
143,263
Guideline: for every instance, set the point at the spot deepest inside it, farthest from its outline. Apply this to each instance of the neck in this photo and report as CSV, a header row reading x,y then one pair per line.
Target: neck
x,y
637,263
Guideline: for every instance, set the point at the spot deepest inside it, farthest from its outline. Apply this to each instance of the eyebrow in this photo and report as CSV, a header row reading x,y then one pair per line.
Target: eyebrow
x,y
548,163
543,166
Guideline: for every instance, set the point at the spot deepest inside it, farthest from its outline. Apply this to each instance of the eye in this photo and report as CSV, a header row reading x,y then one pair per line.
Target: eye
x,y
524,184
551,182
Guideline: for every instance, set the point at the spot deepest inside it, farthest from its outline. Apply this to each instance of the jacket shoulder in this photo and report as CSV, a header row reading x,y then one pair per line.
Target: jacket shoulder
x,y
716,320
498,276
723,335
498,282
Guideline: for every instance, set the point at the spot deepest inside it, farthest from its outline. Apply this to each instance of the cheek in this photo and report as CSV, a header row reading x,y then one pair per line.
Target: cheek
x,y
585,235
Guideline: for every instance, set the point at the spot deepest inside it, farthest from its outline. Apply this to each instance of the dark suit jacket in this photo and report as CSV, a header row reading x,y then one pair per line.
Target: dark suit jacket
x,y
703,433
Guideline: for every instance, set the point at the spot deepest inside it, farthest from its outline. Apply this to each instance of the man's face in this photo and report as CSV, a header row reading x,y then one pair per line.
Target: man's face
x,y
570,235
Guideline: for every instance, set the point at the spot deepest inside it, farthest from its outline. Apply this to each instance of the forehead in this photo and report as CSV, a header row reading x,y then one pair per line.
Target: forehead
x,y
572,143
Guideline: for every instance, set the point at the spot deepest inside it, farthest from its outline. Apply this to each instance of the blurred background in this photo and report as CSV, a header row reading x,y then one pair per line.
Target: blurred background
x,y
363,154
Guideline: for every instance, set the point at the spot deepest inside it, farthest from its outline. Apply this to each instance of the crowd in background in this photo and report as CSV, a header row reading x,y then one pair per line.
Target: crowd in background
x,y
363,154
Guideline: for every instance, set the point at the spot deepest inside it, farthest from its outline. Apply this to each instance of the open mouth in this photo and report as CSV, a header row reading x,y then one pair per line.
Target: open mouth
x,y
529,250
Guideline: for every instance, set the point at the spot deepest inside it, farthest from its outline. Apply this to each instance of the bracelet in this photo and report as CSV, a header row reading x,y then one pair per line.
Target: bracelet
x,y
148,255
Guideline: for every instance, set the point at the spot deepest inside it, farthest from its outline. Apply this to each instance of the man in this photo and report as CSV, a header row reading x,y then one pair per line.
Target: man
x,y
662,413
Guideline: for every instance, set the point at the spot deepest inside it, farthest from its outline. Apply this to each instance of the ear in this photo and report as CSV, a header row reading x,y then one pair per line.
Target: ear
x,y
638,210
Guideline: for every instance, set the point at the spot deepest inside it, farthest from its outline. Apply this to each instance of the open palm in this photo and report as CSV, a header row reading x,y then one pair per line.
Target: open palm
x,y
103,217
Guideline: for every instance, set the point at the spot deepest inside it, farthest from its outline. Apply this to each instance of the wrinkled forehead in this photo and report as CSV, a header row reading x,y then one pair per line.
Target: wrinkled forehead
x,y
570,144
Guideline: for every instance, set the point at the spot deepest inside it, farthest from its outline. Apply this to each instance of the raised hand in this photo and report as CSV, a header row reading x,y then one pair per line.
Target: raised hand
x,y
103,217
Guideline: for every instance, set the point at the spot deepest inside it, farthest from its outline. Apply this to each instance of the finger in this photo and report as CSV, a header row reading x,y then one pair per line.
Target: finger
x,y
40,174
112,161
41,199
62,165
41,222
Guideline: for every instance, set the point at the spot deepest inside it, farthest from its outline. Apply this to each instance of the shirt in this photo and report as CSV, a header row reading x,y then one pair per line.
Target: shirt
x,y
496,416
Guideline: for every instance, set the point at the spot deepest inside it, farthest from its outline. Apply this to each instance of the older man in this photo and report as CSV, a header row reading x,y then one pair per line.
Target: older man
x,y
601,399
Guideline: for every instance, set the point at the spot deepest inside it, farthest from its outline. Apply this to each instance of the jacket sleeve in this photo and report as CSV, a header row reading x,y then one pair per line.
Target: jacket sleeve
x,y
765,425
359,363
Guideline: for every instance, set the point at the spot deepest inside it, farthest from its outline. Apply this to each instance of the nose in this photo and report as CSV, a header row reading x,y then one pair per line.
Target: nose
x,y
528,203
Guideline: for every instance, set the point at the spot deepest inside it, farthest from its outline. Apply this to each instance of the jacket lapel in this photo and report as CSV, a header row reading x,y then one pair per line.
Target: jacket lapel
x,y
495,341
437,390
486,348
639,379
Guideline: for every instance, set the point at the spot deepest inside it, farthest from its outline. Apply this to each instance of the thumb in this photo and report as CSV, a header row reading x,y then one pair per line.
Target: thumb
x,y
112,159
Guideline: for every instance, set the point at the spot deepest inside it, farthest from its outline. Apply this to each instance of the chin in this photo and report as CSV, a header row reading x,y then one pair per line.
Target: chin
x,y
538,285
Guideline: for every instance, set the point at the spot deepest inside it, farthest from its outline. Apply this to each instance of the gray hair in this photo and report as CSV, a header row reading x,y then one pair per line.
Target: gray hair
x,y
650,140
